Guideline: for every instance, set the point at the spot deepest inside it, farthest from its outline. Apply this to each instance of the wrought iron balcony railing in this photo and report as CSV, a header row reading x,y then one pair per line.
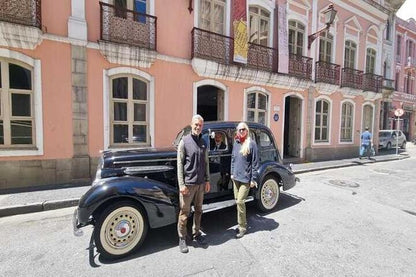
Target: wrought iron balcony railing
x,y
128,27
24,12
352,78
388,84
300,66
327,73
219,48
212,46
372,82
262,57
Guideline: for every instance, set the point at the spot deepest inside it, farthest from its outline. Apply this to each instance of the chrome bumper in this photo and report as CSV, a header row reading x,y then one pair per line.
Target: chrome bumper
x,y
75,224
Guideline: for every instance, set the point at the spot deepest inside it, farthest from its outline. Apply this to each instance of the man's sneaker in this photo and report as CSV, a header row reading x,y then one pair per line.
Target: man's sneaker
x,y
182,246
240,234
200,240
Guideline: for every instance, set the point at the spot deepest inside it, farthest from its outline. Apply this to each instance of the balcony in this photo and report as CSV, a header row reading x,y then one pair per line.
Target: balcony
x,y
127,27
22,12
329,73
388,84
352,78
300,66
219,48
127,37
372,82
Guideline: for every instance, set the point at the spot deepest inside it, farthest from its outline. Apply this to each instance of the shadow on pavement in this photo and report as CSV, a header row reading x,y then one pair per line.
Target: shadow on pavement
x,y
219,227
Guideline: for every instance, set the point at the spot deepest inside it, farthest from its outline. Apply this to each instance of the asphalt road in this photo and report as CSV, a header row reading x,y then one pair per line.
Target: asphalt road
x,y
355,221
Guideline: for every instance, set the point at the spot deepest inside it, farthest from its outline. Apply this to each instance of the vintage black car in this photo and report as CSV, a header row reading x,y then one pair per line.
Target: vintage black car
x,y
137,189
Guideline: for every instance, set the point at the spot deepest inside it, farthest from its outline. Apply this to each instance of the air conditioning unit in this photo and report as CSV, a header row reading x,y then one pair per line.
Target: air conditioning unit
x,y
409,61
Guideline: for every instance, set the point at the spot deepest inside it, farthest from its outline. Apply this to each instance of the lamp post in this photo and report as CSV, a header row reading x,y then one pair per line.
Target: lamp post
x,y
329,19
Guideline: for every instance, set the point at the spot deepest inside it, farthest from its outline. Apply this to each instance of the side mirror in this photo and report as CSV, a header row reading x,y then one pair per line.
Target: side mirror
x,y
212,134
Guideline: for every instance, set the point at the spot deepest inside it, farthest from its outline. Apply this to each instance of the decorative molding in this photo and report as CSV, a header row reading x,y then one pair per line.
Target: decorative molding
x,y
211,69
127,55
19,36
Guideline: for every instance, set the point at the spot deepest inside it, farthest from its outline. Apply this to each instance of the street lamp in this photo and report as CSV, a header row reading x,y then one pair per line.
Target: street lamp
x,y
329,19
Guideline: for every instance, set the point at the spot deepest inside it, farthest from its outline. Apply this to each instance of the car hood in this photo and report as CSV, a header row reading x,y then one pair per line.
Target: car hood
x,y
129,157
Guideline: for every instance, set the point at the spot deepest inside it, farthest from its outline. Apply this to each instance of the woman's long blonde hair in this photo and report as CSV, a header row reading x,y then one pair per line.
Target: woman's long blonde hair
x,y
245,147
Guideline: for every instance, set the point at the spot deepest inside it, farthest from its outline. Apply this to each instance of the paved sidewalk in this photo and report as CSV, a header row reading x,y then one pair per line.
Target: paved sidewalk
x,y
49,199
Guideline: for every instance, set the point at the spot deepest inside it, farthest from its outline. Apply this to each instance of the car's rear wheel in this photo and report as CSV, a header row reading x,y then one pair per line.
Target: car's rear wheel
x,y
268,194
120,229
388,146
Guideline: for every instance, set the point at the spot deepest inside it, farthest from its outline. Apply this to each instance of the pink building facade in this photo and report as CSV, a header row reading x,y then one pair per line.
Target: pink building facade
x,y
403,96
82,76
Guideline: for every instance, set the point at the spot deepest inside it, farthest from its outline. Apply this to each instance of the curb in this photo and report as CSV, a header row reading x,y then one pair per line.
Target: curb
x,y
352,163
38,207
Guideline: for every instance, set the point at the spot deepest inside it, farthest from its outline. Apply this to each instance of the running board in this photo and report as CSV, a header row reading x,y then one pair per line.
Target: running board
x,y
206,208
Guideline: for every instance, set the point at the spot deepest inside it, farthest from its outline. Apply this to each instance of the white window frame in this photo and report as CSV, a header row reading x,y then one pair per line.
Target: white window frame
x,y
36,68
367,57
107,77
355,54
263,91
326,41
227,15
353,122
297,30
269,6
315,142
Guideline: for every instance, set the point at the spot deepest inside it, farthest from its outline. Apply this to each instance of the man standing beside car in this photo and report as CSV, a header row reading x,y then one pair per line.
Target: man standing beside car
x,y
193,180
365,143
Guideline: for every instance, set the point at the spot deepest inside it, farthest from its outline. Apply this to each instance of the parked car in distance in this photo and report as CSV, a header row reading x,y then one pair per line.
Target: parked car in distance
x,y
391,138
137,189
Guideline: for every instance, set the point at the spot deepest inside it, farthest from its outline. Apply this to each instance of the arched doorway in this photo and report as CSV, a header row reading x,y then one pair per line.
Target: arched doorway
x,y
292,128
210,103
368,113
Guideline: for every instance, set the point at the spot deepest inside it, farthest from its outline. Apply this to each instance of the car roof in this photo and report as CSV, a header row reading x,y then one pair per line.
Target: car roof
x,y
231,124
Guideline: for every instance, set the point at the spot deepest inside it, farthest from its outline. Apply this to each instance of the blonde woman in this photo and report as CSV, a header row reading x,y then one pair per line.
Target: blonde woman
x,y
244,165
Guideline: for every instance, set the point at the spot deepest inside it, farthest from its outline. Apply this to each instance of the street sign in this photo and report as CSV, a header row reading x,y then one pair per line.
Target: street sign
x,y
398,112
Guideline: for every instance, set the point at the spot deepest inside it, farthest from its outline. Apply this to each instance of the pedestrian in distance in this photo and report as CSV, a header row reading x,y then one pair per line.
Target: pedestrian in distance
x,y
193,180
244,165
366,142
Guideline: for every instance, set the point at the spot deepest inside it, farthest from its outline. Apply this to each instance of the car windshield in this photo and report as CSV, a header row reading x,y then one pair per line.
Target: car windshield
x,y
183,132
384,134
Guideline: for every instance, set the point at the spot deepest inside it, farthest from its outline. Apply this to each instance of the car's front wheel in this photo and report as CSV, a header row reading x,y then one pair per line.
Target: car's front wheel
x,y
120,229
403,145
268,194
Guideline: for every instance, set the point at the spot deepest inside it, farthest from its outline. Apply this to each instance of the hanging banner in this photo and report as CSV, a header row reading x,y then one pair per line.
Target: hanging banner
x,y
240,31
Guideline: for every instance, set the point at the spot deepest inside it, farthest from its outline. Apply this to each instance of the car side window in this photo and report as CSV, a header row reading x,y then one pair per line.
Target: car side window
x,y
267,151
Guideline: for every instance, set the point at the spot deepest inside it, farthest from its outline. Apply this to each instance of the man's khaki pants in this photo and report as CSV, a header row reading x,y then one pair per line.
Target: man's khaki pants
x,y
241,191
195,195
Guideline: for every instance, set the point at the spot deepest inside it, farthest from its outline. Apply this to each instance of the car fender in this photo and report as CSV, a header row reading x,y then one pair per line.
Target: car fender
x,y
160,201
288,179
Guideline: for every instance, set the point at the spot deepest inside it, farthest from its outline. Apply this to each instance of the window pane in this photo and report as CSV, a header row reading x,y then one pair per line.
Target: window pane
x,y
139,112
139,133
120,88
21,132
120,111
324,133
1,132
317,134
262,118
20,78
0,75
139,90
317,120
250,116
262,101
318,106
265,140
251,100
20,104
324,120
121,133
325,109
